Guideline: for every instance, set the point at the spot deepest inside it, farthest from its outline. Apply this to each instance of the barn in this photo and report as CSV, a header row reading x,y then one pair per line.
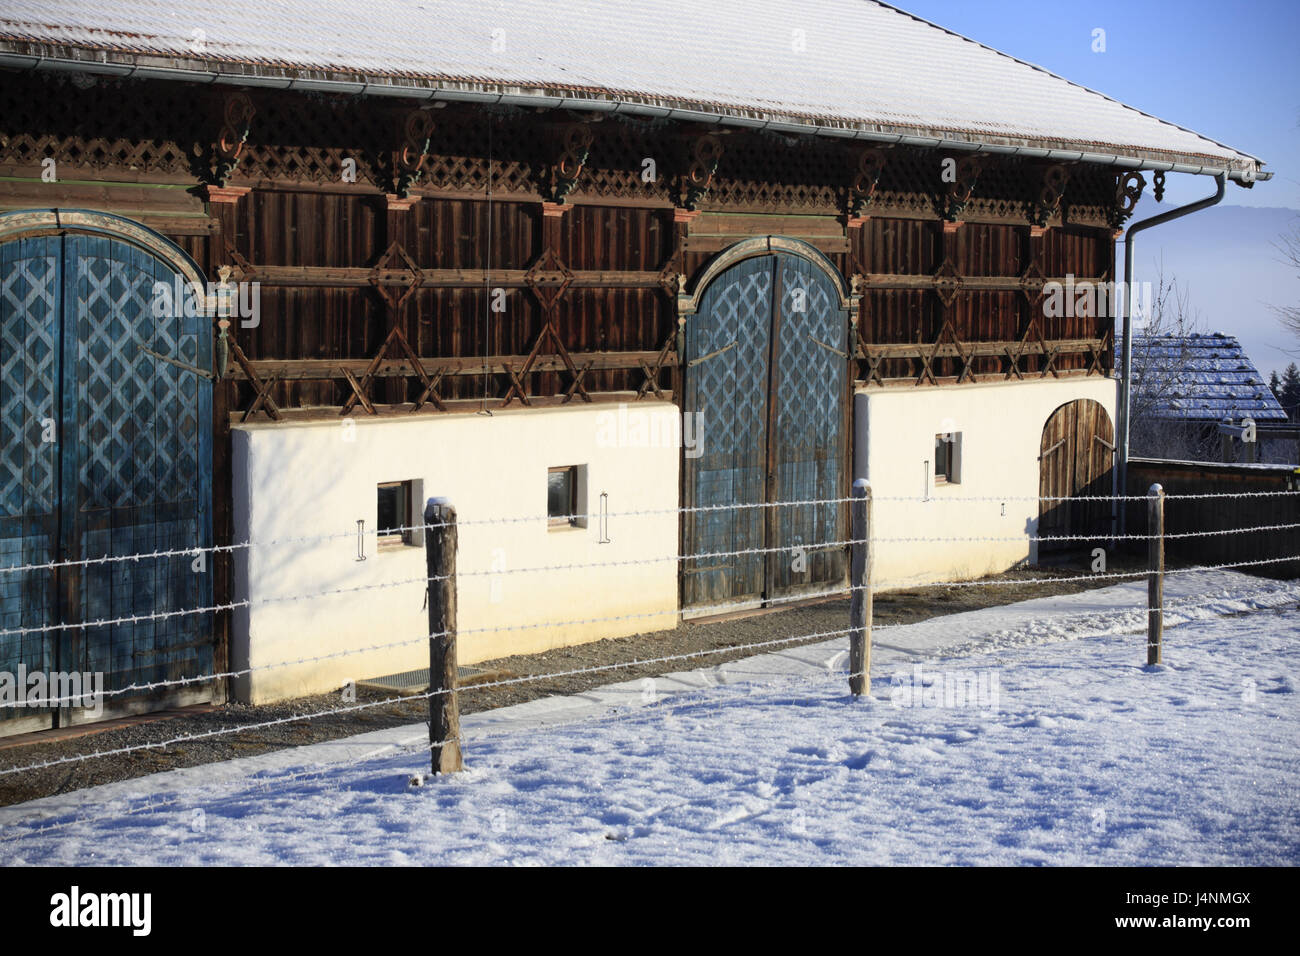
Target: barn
x,y
1198,395
272,274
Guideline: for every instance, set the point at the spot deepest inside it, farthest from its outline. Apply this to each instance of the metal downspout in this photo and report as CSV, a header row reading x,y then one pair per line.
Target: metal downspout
x,y
1126,363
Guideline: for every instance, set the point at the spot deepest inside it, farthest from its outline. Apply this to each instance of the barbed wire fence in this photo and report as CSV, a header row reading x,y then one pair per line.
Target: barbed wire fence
x,y
440,529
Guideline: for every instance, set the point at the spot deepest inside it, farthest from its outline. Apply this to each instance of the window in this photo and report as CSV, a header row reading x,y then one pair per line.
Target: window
x,y
562,496
947,458
395,512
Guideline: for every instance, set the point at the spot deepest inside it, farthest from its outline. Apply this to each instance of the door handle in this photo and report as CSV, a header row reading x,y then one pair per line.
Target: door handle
x,y
714,354
828,348
177,362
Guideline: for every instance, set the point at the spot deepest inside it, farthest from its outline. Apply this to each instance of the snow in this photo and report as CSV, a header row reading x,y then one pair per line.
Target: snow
x,y
849,63
1071,752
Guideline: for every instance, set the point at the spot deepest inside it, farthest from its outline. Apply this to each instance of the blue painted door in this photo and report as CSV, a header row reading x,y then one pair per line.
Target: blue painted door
x,y
809,393
766,374
115,449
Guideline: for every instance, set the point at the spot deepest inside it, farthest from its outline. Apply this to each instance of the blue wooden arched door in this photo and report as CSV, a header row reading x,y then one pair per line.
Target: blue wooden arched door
x,y
105,452
766,372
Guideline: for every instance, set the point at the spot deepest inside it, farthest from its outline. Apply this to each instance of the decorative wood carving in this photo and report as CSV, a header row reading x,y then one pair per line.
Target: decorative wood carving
x,y
868,167
414,131
549,279
704,155
959,193
237,112
1051,190
1128,190
574,147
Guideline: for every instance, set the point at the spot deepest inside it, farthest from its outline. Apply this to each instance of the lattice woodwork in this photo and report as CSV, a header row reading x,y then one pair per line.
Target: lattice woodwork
x,y
775,173
465,139
174,129
112,123
616,166
307,137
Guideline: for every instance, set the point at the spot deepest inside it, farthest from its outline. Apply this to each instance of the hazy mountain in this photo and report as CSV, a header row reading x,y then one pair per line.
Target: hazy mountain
x,y
1226,258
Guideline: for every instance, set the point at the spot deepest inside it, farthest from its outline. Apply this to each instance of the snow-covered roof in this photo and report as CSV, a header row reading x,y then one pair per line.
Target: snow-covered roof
x,y
846,67
1202,377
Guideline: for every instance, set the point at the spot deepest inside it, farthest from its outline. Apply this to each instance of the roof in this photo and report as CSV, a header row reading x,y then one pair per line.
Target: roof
x,y
1202,378
838,67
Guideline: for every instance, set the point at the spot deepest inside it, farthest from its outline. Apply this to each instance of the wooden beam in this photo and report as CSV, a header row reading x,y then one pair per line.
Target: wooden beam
x,y
340,277
979,349
299,369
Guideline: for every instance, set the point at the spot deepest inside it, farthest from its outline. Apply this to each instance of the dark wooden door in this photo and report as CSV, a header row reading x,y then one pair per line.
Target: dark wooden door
x,y
766,371
1076,460
115,448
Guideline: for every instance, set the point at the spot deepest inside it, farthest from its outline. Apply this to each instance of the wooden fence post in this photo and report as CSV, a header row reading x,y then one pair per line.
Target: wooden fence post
x,y
860,596
1156,573
440,561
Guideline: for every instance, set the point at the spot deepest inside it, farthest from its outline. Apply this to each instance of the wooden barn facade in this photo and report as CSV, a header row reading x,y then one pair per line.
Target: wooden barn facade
x,y
507,292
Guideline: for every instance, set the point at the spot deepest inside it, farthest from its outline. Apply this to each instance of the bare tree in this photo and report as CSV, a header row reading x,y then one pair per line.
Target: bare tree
x,y
1289,245
1160,379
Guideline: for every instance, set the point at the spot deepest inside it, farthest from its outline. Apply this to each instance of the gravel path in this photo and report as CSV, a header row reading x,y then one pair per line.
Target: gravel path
x,y
724,635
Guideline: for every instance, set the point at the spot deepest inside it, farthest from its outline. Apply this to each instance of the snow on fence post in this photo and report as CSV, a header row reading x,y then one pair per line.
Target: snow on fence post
x,y
1156,575
440,561
860,595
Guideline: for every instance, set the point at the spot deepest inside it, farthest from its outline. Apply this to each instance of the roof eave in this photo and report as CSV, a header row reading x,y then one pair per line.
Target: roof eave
x,y
29,55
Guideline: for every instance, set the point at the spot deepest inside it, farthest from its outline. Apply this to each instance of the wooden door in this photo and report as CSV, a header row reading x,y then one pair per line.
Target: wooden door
x,y
116,447
766,370
808,447
30,364
727,348
1076,460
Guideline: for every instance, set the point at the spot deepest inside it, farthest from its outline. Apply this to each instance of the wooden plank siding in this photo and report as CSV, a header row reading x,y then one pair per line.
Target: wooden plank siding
x,y
1183,516
341,263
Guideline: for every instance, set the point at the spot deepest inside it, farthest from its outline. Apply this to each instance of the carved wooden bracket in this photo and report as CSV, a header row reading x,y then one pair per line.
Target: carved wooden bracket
x,y
868,165
959,192
1051,189
1128,190
573,145
237,112
414,130
704,152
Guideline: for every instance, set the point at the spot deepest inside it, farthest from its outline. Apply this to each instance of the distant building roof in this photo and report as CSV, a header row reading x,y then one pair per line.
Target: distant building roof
x,y
835,67
1202,377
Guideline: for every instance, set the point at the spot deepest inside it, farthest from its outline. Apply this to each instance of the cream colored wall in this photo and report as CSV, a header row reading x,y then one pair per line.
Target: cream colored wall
x,y
295,480
1001,427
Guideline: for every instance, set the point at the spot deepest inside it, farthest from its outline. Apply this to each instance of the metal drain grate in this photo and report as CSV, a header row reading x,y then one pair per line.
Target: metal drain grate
x,y
416,682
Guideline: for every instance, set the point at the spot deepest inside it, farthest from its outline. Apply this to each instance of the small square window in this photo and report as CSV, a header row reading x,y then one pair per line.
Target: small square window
x,y
394,519
947,458
562,496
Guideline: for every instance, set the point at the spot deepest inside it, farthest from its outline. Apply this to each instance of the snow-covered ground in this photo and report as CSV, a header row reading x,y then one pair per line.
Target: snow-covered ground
x,y
1066,749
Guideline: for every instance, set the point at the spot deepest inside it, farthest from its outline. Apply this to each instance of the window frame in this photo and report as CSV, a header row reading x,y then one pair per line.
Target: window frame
x,y
569,520
392,540
950,474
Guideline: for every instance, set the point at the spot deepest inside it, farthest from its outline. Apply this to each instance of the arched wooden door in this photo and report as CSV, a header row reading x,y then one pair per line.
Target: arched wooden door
x,y
766,366
105,451
1076,460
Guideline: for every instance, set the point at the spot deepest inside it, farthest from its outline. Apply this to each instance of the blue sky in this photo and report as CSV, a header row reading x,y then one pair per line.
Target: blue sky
x,y
1230,71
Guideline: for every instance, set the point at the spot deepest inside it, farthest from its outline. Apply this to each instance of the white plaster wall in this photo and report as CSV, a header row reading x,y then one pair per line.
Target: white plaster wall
x,y
295,480
1001,427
